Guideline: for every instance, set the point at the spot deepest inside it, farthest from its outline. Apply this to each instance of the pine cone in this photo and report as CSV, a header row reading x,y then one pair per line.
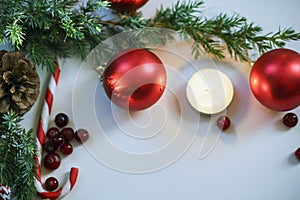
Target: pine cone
x,y
19,83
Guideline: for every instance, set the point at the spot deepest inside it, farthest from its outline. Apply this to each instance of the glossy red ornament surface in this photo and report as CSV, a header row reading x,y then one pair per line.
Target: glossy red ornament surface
x,y
275,79
127,5
134,79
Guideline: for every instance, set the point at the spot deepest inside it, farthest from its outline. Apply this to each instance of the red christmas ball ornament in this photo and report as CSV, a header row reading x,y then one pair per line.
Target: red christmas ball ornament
x,y
275,79
127,5
134,79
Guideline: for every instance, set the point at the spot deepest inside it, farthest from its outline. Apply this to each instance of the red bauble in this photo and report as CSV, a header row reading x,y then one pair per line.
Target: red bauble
x,y
127,5
134,79
275,79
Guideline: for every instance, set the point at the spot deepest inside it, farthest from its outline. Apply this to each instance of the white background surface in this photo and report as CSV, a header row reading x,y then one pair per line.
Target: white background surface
x,y
253,160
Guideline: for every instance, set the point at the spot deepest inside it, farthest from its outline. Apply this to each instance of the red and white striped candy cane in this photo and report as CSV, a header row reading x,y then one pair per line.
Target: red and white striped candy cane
x,y
40,140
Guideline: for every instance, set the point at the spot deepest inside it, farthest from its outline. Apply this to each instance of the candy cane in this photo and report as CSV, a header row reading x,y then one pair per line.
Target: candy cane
x,y
40,140
62,191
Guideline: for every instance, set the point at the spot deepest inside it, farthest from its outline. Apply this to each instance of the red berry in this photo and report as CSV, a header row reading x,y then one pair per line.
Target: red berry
x,y
223,122
57,141
48,147
67,133
297,154
290,119
51,184
66,148
52,160
81,135
61,120
53,131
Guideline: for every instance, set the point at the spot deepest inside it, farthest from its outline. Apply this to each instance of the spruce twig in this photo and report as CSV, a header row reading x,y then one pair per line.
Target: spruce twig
x,y
47,29
17,164
235,31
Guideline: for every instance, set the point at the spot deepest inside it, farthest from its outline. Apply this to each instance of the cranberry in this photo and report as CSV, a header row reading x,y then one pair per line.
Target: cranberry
x,y
66,148
67,133
297,154
57,141
290,119
52,160
223,122
48,147
53,131
81,135
51,184
61,120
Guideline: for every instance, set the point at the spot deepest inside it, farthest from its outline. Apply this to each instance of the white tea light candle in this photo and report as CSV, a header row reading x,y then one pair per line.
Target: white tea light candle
x,y
209,91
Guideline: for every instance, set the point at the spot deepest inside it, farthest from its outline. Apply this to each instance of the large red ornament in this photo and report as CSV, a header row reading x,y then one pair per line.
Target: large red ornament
x,y
134,79
127,5
275,79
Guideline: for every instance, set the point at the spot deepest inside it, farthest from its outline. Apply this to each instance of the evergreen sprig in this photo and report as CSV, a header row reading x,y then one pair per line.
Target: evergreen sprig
x,y
17,164
235,31
46,29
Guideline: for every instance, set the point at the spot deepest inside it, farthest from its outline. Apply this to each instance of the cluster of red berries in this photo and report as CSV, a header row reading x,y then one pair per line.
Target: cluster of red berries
x,y
60,139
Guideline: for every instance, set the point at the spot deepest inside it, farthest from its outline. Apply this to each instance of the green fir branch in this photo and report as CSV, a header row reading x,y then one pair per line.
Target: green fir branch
x,y
68,27
132,20
51,26
17,164
209,35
